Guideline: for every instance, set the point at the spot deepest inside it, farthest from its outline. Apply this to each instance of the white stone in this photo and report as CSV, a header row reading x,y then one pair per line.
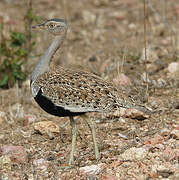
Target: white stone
x,y
93,169
41,164
134,154
173,67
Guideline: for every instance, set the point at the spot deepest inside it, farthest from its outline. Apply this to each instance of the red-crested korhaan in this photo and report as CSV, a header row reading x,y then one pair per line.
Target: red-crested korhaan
x,y
66,92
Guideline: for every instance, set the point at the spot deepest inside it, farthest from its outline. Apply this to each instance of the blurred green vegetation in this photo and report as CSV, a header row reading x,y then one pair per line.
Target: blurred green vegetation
x,y
15,51
12,53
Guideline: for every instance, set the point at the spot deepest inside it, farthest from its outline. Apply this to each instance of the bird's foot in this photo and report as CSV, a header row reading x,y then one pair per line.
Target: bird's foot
x,y
97,157
71,160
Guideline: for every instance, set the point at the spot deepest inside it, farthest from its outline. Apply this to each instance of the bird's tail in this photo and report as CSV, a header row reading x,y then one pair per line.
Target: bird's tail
x,y
143,109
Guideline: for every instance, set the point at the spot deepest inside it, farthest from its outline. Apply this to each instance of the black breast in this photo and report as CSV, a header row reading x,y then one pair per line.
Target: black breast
x,y
48,106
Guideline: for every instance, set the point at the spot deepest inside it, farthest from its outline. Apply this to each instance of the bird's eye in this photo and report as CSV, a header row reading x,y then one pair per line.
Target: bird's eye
x,y
51,26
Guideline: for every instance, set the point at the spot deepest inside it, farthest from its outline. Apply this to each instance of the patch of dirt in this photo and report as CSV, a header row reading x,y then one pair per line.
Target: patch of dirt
x,y
106,38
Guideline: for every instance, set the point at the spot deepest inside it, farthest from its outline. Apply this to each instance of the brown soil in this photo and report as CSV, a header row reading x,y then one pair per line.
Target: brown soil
x,y
106,38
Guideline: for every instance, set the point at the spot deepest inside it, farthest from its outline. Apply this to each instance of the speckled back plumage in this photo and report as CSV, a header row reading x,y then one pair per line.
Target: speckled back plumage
x,y
65,92
80,91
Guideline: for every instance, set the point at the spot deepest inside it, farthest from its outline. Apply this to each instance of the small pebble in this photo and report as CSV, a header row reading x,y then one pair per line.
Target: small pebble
x,y
173,67
165,132
41,164
122,80
16,153
134,154
92,170
5,162
47,127
175,134
122,136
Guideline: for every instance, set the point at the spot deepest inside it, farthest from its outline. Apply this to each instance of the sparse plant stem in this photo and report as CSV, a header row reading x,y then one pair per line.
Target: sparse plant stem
x,y
164,11
121,66
145,53
28,24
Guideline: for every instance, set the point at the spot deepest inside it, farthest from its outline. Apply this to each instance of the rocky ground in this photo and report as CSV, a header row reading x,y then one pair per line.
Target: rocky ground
x,y
106,38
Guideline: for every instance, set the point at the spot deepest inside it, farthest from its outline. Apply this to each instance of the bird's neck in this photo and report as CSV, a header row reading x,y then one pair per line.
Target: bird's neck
x,y
43,65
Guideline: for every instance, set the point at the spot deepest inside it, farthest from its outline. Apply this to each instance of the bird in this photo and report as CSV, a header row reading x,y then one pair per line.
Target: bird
x,y
67,92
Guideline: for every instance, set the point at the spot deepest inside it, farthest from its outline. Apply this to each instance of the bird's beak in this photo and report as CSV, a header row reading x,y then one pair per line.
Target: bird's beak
x,y
38,26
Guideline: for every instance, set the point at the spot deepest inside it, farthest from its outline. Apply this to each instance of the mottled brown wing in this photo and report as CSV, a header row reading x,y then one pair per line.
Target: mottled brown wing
x,y
77,91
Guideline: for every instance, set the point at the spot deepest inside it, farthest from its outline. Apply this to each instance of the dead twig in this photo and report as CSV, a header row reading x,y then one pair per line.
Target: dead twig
x,y
145,53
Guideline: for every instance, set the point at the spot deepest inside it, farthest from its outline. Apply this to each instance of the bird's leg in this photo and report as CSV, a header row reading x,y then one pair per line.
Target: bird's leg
x,y
92,128
73,131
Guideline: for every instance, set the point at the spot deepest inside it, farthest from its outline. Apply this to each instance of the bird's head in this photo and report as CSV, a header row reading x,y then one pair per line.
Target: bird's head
x,y
54,26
